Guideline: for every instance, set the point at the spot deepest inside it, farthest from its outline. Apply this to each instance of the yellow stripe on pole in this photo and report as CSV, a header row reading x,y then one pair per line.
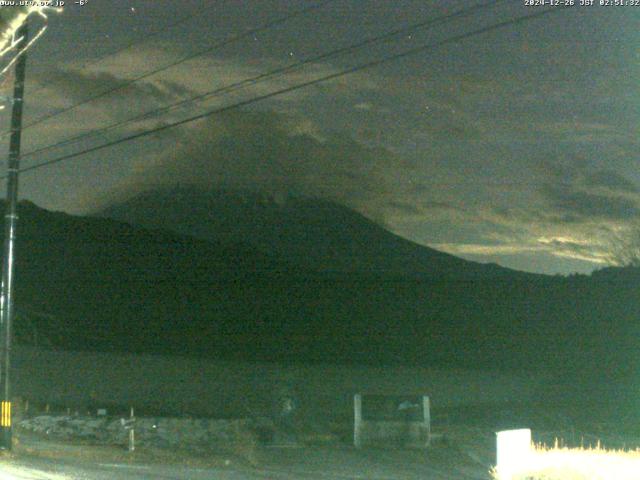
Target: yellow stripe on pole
x,y
5,420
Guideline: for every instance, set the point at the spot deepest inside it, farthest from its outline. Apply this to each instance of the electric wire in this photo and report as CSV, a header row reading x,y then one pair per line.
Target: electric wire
x,y
132,44
223,43
243,103
277,72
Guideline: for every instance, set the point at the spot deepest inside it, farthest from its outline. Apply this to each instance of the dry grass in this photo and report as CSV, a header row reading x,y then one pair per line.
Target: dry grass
x,y
556,463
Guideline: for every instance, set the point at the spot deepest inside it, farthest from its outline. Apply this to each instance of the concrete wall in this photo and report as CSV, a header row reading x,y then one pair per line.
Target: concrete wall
x,y
402,434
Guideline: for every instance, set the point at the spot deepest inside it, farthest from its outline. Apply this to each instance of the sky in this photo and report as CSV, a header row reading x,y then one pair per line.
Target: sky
x,y
518,146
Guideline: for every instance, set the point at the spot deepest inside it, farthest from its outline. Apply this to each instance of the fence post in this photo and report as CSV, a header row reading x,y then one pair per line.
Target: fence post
x,y
426,410
132,434
129,425
357,420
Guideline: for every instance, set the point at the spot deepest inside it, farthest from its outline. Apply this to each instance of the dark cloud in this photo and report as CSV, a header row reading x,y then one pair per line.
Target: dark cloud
x,y
570,247
576,191
566,169
510,109
611,180
591,206
577,170
273,153
79,86
176,89
404,209
442,206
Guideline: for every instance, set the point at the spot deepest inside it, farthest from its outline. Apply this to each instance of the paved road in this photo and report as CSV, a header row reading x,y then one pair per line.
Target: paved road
x,y
47,469
312,464
38,459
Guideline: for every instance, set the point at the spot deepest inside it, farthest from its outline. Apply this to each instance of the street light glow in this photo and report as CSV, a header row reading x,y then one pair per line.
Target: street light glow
x,y
11,19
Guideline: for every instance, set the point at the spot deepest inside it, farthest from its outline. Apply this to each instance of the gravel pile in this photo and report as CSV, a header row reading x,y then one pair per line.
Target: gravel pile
x,y
162,432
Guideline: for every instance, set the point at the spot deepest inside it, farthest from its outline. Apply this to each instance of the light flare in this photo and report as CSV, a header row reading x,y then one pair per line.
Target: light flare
x,y
11,19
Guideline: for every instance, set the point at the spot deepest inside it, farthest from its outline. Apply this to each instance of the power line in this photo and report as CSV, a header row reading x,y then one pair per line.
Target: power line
x,y
223,43
131,44
243,103
373,63
276,72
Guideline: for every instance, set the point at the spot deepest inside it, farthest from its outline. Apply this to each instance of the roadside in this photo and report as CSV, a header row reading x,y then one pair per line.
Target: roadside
x,y
463,447
444,460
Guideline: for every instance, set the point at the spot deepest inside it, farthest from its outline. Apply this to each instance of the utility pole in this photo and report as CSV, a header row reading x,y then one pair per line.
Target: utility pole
x,y
10,219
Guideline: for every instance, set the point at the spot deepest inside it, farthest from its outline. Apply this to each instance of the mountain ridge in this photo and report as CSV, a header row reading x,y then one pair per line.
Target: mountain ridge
x,y
316,234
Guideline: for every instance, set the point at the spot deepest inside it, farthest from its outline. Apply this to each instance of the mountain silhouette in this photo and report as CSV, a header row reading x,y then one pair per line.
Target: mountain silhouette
x,y
311,233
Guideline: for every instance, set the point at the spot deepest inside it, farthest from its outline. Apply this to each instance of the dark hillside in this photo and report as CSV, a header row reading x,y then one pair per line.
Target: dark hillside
x,y
103,285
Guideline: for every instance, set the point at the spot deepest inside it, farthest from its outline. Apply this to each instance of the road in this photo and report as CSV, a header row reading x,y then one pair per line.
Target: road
x,y
312,464
43,459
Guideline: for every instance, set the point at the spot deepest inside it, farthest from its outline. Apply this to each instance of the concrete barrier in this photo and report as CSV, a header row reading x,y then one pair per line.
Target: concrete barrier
x,y
513,452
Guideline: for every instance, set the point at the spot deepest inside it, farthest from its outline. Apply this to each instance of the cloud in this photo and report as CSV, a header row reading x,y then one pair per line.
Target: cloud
x,y
580,205
403,208
460,160
225,81
363,106
563,248
578,249
611,180
76,86
576,225
267,151
560,248
579,214
483,249
442,206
